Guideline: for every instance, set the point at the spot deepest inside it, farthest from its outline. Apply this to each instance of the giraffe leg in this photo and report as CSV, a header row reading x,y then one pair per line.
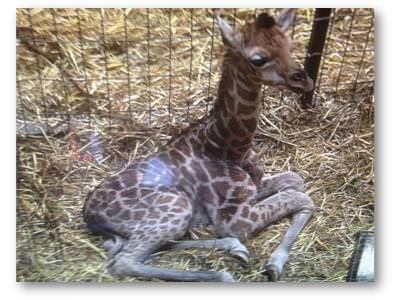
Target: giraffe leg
x,y
243,219
277,183
272,185
132,264
235,248
150,233
279,257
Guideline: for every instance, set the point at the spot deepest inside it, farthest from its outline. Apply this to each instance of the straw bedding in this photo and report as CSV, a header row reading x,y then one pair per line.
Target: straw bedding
x,y
98,88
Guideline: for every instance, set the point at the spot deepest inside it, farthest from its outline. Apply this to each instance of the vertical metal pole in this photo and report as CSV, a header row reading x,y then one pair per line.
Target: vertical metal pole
x,y
315,48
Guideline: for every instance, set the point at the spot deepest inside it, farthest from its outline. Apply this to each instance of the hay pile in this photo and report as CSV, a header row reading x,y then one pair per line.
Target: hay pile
x,y
97,88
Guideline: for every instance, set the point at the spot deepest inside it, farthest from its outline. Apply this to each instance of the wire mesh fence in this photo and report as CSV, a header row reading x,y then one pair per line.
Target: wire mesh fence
x,y
98,87
136,63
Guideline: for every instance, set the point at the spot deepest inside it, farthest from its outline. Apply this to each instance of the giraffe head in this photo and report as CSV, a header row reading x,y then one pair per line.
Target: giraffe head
x,y
264,50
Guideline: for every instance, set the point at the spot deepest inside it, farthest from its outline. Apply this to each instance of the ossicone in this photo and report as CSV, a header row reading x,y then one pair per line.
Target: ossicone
x,y
264,20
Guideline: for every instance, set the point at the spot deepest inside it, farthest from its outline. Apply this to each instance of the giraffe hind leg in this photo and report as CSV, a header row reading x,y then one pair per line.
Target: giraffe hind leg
x,y
154,230
128,266
131,263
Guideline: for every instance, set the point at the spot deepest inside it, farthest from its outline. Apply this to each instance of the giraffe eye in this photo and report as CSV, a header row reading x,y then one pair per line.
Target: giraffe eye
x,y
260,61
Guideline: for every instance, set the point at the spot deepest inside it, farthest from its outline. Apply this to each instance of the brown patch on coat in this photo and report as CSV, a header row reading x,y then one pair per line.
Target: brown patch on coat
x,y
114,185
114,209
129,178
164,220
99,194
250,124
234,154
254,217
175,222
245,109
126,214
211,134
227,212
93,204
138,214
237,174
245,212
222,128
246,95
221,189
230,103
245,142
129,193
176,157
215,170
130,202
234,126
242,192
177,210
241,227
205,194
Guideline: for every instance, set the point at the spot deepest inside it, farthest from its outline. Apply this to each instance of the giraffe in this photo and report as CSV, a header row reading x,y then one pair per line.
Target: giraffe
x,y
209,173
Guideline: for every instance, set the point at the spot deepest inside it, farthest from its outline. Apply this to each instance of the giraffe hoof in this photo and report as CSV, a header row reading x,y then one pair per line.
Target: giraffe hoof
x,y
241,256
226,277
238,251
272,273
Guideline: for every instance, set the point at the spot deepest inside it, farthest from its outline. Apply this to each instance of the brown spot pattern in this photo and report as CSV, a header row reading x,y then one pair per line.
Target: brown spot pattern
x,y
126,214
221,127
138,214
227,212
129,178
204,194
245,109
245,212
114,185
253,217
241,227
234,126
250,124
221,189
176,157
114,209
246,95
130,193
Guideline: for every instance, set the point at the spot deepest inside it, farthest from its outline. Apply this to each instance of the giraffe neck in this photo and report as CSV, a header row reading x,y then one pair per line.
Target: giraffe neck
x,y
233,120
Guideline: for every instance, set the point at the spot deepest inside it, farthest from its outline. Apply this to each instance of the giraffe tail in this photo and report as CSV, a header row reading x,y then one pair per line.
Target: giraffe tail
x,y
114,241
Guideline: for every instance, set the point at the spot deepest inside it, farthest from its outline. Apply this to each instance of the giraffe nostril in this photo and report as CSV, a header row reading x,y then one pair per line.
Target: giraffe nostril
x,y
299,76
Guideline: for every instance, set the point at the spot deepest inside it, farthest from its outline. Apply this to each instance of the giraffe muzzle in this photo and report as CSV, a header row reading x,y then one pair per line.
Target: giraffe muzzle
x,y
300,82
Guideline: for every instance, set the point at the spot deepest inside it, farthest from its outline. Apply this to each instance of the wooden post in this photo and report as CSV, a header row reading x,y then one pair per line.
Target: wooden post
x,y
315,48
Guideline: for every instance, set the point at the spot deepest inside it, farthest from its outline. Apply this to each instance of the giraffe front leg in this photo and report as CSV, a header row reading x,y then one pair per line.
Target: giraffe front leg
x,y
276,262
242,218
235,248
277,183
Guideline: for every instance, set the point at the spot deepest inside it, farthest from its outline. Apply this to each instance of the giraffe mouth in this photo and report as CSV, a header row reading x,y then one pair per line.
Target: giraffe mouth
x,y
299,90
299,82
305,86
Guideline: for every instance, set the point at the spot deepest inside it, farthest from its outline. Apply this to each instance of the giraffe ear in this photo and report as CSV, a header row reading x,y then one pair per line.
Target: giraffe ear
x,y
286,18
228,35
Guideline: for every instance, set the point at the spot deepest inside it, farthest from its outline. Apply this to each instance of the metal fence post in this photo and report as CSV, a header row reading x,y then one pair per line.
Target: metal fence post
x,y
315,48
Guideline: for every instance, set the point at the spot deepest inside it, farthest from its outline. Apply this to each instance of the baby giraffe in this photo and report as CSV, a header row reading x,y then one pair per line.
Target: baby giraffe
x,y
209,174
